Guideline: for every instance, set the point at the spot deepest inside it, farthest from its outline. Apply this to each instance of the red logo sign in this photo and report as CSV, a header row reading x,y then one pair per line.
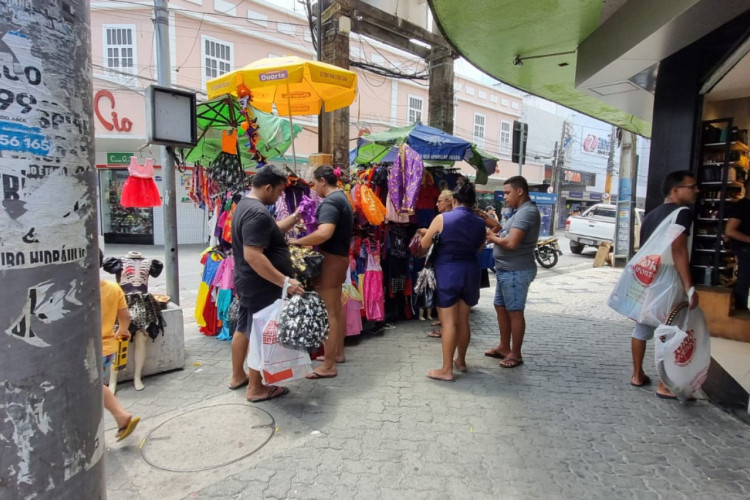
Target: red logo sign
x,y
683,355
120,125
269,332
645,270
590,143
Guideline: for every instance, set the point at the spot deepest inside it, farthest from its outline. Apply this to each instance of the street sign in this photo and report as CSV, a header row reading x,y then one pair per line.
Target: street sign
x,y
118,158
550,190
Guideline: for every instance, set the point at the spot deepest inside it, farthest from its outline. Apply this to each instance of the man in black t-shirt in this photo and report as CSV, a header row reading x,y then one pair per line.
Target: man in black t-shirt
x,y
680,189
261,265
738,231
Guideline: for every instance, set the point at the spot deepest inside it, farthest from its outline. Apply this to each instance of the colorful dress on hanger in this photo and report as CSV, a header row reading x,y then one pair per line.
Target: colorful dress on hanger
x,y
223,284
373,285
405,179
140,189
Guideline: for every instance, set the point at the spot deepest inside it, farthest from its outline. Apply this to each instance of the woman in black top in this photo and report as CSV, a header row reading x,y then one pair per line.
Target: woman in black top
x,y
333,236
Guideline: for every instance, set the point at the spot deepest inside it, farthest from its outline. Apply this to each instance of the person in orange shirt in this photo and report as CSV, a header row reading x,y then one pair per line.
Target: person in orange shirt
x,y
114,307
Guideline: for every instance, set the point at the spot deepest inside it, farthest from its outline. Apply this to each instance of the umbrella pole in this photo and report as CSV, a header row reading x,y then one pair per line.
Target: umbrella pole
x,y
291,129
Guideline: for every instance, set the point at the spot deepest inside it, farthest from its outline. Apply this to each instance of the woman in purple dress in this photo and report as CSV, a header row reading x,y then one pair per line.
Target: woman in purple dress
x,y
456,264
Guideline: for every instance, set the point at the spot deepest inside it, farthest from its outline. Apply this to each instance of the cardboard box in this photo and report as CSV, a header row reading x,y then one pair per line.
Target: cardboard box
x,y
320,159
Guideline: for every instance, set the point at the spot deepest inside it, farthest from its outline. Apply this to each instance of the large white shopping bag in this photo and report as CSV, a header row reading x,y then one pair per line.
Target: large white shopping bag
x,y
276,362
650,286
683,353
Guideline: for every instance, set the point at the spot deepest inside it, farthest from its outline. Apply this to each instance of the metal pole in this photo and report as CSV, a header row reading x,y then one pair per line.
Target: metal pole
x,y
50,341
625,200
171,252
319,24
521,150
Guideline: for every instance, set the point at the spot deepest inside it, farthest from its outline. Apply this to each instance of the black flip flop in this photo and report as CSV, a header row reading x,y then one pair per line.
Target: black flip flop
x,y
241,384
494,354
275,392
646,381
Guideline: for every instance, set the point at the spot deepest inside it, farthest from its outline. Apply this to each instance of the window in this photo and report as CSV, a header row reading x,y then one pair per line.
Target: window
x,y
505,102
120,50
217,58
285,28
415,109
459,86
505,133
493,98
479,121
470,90
515,105
224,7
377,58
257,18
482,94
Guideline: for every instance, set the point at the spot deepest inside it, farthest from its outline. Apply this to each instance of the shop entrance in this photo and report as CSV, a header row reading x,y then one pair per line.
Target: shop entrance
x,y
119,224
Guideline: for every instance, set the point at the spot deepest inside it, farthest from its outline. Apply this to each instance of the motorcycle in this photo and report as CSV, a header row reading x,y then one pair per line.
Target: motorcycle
x,y
546,252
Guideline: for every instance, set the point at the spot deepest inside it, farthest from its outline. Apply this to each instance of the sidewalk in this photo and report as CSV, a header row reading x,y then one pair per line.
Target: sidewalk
x,y
566,424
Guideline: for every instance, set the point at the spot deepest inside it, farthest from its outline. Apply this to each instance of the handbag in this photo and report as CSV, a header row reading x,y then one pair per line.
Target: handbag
x,y
303,322
426,284
307,264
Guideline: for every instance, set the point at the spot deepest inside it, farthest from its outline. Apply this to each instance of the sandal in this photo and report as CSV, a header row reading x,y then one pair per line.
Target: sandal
x,y
511,363
435,334
127,429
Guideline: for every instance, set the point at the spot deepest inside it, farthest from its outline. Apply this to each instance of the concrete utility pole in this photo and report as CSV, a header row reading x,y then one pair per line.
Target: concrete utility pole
x,y
557,173
626,199
440,104
610,163
51,430
171,251
335,125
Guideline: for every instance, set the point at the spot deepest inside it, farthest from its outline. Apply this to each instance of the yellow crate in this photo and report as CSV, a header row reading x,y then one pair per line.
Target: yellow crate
x,y
121,356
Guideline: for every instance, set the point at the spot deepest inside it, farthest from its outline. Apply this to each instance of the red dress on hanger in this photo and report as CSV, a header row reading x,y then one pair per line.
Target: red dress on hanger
x,y
140,189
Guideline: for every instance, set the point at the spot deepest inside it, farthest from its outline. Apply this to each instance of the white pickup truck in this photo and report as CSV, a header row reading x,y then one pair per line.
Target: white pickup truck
x,y
597,225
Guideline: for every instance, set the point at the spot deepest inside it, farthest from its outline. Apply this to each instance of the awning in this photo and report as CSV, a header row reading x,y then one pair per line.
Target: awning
x,y
597,57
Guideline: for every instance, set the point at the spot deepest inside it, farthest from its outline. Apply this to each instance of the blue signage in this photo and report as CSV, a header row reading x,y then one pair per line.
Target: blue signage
x,y
538,198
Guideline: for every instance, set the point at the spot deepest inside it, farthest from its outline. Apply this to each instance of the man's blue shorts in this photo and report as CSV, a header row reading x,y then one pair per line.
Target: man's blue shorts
x,y
106,363
512,288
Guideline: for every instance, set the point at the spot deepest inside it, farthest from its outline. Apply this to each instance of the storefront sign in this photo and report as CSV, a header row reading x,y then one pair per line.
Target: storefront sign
x,y
594,144
104,103
118,158
538,198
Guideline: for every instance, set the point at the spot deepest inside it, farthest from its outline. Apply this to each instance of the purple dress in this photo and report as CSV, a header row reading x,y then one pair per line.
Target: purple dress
x,y
457,262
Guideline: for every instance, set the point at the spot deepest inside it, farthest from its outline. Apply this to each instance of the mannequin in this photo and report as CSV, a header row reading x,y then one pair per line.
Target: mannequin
x,y
132,272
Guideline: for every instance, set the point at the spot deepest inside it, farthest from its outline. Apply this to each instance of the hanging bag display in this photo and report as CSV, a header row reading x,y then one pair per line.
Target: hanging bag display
x,y
683,354
307,264
650,285
303,322
426,284
276,362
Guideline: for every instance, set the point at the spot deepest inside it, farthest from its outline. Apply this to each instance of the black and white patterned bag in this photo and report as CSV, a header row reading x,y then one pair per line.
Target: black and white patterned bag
x,y
303,322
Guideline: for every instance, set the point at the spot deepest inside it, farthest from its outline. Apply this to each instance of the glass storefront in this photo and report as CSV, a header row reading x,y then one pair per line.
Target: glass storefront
x,y
120,224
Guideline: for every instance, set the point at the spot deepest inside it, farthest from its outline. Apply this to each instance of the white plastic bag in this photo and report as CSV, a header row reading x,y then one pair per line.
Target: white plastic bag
x,y
683,355
275,362
650,286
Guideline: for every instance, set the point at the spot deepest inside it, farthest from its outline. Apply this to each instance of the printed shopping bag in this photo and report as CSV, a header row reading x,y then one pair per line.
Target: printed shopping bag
x,y
683,354
426,284
650,286
276,362
303,322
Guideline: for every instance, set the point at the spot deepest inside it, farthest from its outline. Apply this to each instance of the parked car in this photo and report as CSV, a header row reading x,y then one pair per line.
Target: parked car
x,y
597,225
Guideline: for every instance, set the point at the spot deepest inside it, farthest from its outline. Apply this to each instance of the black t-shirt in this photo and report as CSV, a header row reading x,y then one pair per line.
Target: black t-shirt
x,y
336,210
741,210
253,225
657,215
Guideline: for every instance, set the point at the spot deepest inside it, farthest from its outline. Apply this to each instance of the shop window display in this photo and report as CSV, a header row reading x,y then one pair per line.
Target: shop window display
x,y
121,224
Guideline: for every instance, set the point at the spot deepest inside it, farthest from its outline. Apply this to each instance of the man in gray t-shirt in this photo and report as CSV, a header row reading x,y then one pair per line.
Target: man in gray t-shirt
x,y
516,269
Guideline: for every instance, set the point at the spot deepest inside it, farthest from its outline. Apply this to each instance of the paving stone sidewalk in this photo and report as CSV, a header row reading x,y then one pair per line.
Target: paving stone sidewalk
x,y
565,424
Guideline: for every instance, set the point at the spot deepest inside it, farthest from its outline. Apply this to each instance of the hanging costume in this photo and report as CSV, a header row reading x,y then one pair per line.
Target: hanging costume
x,y
139,190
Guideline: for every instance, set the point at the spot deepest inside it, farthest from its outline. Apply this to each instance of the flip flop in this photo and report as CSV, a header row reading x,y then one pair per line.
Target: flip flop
x,y
511,363
435,323
274,392
434,334
667,396
441,379
646,381
241,384
317,376
128,429
494,354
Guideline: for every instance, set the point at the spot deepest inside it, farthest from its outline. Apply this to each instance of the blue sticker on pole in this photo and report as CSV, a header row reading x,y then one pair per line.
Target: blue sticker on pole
x,y
23,139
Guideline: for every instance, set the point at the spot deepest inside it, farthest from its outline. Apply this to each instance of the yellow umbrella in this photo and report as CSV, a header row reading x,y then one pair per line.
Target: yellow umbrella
x,y
296,86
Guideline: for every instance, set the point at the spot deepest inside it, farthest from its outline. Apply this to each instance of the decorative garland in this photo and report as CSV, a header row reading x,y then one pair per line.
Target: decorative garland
x,y
250,125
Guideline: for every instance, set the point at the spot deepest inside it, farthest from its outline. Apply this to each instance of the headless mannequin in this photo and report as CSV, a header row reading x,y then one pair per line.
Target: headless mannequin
x,y
425,313
133,278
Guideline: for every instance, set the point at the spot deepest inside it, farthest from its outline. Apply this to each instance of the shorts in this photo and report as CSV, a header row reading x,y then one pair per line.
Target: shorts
x,y
106,363
643,332
513,288
244,320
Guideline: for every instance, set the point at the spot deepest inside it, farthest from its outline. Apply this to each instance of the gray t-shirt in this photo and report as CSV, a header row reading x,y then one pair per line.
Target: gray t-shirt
x,y
526,219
